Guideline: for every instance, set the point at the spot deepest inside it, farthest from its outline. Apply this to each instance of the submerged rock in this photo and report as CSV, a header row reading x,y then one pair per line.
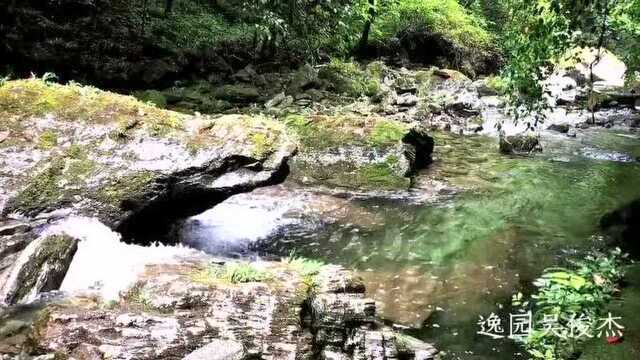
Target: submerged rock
x,y
520,144
623,225
561,128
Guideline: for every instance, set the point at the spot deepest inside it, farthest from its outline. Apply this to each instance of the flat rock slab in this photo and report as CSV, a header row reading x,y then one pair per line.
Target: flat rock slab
x,y
218,350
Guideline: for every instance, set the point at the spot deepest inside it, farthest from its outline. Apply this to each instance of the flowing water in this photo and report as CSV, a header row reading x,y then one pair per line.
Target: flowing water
x,y
490,225
437,266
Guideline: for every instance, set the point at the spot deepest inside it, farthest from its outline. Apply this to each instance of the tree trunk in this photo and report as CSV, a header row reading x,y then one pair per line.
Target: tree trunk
x,y
168,7
364,39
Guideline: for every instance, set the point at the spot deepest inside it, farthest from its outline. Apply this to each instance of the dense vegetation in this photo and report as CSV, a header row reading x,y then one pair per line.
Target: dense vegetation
x,y
144,43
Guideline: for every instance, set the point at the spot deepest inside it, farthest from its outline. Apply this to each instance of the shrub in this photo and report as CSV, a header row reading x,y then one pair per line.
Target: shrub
x,y
306,267
447,17
563,294
235,273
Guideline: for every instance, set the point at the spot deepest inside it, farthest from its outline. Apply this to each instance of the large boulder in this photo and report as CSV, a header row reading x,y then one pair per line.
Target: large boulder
x,y
83,151
606,66
356,153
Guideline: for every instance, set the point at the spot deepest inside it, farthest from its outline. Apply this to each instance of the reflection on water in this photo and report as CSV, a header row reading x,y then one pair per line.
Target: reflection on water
x,y
439,265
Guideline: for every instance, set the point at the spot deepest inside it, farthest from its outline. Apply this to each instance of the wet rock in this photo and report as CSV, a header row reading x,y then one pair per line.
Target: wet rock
x,y
561,128
572,133
280,100
13,227
40,267
336,279
218,350
623,225
520,144
130,163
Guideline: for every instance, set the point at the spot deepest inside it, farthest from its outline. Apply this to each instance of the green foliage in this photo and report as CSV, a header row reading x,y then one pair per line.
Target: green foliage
x,y
565,294
444,16
534,43
243,272
497,83
234,273
541,32
625,19
306,267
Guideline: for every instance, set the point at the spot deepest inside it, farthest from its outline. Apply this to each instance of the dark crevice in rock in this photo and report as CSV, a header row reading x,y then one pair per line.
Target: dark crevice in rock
x,y
183,194
623,226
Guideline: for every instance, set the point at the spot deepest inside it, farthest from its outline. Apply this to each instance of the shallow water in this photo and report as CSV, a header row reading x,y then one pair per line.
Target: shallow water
x,y
500,221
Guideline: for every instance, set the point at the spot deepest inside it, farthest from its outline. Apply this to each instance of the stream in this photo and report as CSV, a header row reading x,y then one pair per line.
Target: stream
x,y
494,223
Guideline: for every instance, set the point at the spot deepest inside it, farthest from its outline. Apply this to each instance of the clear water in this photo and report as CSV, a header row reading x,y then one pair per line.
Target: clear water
x,y
438,266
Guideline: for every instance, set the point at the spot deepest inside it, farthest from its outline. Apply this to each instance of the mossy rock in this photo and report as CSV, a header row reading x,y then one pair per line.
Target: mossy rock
x,y
239,93
20,99
520,144
320,132
42,267
355,152
111,156
155,97
349,79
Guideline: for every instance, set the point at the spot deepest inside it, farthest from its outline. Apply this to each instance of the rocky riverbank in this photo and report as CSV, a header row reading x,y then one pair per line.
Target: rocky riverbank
x,y
337,131
73,151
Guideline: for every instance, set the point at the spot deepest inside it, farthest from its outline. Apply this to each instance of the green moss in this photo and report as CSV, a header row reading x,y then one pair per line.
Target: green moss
x,y
52,247
127,187
324,132
47,140
56,184
154,97
21,99
347,78
382,175
262,145
42,191
38,330
386,132
137,297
